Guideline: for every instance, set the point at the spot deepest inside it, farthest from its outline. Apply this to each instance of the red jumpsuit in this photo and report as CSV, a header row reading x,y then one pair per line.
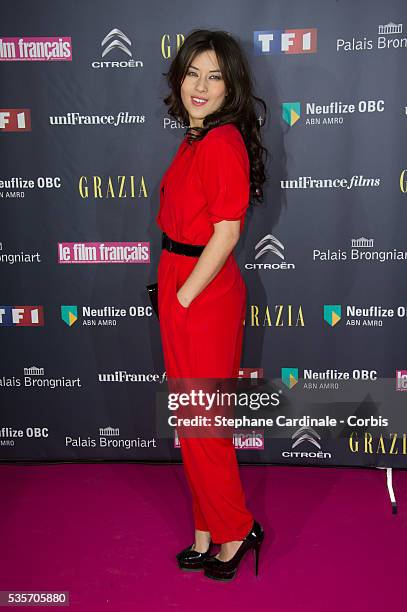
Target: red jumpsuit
x,y
207,181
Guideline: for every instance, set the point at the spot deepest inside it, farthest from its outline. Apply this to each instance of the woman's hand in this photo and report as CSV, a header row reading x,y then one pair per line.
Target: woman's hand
x,y
183,299
221,243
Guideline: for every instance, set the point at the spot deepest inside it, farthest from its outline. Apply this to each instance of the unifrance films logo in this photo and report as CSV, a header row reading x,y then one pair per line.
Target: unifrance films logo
x,y
36,49
103,252
356,181
287,41
75,119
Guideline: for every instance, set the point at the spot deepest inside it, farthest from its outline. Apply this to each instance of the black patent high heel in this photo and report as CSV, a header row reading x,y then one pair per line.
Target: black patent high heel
x,y
226,570
192,560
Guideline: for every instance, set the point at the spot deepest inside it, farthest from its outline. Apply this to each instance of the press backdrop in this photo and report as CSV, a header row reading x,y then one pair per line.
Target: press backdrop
x,y
85,139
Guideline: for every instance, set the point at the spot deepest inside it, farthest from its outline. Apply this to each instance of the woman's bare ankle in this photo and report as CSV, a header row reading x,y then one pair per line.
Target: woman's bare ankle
x,y
202,539
228,550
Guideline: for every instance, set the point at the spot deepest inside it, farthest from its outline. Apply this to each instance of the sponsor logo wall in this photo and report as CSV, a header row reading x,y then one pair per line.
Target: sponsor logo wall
x,y
85,140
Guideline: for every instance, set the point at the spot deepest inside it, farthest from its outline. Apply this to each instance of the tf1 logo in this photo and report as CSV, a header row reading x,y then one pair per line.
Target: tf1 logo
x,y
21,316
15,120
401,380
267,42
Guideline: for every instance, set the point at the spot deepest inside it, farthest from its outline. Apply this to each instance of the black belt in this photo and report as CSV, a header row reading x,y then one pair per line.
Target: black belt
x,y
181,248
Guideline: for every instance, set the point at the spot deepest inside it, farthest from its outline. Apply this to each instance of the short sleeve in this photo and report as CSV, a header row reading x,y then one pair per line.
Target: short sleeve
x,y
224,170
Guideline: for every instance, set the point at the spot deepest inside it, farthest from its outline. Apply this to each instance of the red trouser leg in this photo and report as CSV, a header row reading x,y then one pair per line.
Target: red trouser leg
x,y
205,341
199,518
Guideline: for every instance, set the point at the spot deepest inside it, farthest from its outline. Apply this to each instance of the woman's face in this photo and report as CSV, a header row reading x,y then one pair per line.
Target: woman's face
x,y
203,81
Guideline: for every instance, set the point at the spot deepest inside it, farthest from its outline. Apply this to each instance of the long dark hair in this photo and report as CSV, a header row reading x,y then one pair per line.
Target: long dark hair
x,y
238,106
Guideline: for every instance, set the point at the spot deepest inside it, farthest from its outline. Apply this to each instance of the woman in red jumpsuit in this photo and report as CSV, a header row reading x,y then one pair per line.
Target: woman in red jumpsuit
x,y
204,196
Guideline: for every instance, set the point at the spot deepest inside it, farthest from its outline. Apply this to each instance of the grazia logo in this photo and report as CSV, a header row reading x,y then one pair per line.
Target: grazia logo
x,y
403,181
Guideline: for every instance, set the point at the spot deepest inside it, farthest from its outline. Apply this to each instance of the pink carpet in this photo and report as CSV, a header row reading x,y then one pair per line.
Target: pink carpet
x,y
108,533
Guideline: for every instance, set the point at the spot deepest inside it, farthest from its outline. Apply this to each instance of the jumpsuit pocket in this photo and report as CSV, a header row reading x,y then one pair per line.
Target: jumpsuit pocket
x,y
177,304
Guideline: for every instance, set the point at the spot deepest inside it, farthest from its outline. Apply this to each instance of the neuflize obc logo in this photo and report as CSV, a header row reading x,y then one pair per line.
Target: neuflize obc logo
x,y
289,377
291,112
69,314
332,314
332,112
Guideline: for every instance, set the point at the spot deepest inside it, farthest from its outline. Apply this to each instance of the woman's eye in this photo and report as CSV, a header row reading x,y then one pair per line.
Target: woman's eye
x,y
216,76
